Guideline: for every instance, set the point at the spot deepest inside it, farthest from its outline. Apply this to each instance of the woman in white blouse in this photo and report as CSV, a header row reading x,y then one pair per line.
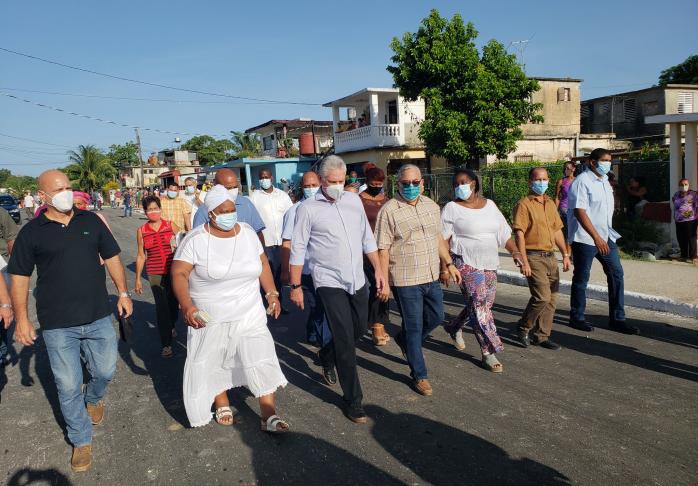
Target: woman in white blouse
x,y
216,275
475,230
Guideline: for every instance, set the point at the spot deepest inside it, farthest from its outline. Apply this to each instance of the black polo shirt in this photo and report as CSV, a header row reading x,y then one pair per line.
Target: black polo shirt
x,y
71,285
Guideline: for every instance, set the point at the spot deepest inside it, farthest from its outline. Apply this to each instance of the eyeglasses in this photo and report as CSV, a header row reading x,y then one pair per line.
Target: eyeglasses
x,y
415,182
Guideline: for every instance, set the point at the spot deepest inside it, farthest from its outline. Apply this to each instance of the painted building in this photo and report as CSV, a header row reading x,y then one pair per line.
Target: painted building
x,y
273,132
289,169
167,166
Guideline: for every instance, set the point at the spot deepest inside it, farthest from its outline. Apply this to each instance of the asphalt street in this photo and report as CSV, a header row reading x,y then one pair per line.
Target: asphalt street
x,y
606,409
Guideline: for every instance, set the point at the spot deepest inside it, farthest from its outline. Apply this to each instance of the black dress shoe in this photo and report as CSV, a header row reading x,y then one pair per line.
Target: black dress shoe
x,y
523,338
623,327
581,325
548,344
329,375
356,414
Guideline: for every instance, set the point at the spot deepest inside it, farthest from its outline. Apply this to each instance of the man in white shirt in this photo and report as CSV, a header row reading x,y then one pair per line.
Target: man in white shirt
x,y
589,218
29,205
271,203
193,196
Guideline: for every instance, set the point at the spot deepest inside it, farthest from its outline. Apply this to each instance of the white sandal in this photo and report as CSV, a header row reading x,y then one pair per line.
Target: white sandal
x,y
224,412
272,423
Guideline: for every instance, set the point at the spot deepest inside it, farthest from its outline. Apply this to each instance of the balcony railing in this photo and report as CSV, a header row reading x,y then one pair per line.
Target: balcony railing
x,y
369,136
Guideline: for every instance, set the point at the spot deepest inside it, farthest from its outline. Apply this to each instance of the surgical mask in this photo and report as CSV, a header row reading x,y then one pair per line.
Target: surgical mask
x,y
374,191
153,215
463,192
684,187
234,192
226,221
172,194
335,191
265,183
603,167
352,179
190,189
539,187
63,201
410,193
309,192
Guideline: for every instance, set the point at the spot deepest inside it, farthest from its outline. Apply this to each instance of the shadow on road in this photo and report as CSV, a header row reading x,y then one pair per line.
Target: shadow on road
x,y
26,476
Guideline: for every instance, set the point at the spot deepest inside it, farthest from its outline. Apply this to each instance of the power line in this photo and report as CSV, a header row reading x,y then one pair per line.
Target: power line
x,y
35,141
158,85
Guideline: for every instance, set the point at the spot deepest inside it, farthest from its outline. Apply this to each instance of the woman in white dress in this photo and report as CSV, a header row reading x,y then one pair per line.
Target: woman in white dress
x,y
216,275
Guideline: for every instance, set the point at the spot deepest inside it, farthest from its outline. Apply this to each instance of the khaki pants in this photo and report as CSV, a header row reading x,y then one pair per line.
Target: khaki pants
x,y
544,284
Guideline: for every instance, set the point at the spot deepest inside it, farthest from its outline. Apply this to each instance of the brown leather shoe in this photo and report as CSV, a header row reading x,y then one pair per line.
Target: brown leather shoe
x,y
96,412
423,387
82,458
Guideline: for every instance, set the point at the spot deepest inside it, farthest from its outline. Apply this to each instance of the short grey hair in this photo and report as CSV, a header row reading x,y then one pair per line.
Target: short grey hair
x,y
404,168
190,179
333,162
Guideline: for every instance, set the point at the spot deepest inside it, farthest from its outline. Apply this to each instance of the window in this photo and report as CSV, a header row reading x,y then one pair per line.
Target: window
x,y
391,116
685,102
629,110
650,108
603,108
268,142
564,94
585,111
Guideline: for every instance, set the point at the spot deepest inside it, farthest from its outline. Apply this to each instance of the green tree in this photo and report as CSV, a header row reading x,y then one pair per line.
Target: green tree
x,y
4,175
90,168
18,185
124,154
475,102
684,73
246,145
209,150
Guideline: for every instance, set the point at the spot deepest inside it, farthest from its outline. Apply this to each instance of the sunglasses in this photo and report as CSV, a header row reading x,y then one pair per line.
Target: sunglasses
x,y
415,182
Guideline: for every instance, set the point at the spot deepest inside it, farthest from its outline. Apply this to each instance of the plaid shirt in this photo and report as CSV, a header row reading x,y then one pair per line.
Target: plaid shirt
x,y
175,210
412,235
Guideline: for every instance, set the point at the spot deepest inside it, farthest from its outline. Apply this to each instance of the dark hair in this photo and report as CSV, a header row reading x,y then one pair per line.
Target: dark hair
x,y
172,184
470,173
597,153
375,174
641,180
150,199
533,170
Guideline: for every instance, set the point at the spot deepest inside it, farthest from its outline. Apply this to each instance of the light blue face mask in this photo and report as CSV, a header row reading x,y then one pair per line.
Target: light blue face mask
x,y
172,194
309,192
410,193
463,192
226,221
190,189
539,187
265,183
603,167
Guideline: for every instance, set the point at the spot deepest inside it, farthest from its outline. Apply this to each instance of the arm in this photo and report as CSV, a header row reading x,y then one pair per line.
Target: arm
x,y
558,186
180,286
10,245
519,254
285,258
187,221
299,244
140,263
116,272
266,280
24,329
560,242
6,301
296,272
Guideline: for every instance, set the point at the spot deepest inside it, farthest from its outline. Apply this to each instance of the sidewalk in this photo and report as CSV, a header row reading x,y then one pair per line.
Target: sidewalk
x,y
661,286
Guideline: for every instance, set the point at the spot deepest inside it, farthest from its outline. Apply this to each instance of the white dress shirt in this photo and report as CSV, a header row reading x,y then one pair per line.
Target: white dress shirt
x,y
271,207
595,195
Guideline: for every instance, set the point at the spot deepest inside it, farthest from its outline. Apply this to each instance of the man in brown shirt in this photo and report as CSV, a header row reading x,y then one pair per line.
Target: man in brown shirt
x,y
411,250
538,229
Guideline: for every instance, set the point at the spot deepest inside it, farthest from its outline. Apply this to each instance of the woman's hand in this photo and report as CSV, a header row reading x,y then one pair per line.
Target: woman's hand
x,y
274,306
189,318
138,287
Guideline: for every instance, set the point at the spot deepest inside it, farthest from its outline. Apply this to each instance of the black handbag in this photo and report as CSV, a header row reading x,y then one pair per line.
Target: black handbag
x,y
125,328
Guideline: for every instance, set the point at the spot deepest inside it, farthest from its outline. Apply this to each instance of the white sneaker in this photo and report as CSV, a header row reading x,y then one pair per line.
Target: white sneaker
x,y
458,341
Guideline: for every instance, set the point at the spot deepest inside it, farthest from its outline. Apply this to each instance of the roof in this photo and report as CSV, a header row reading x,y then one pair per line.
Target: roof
x,y
359,93
563,80
675,118
296,123
667,86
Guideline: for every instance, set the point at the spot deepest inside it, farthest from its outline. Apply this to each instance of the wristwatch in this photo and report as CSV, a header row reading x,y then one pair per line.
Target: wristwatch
x,y
126,294
295,286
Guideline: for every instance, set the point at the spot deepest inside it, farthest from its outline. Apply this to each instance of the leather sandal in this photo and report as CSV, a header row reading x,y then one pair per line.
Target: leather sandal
x,y
380,337
224,413
274,425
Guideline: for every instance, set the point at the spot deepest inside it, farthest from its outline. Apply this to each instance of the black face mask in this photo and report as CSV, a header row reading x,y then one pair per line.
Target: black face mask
x,y
373,191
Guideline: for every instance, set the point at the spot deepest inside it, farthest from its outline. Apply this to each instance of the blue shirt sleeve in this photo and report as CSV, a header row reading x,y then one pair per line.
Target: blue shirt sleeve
x,y
255,220
200,217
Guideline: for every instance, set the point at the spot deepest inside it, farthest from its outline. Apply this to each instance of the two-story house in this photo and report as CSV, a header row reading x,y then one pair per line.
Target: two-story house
x,y
624,113
166,166
273,133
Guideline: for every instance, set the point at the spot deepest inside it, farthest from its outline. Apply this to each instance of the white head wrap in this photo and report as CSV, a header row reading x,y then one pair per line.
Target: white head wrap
x,y
217,196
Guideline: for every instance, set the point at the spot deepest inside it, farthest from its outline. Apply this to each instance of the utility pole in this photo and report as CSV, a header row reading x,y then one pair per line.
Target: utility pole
x,y
140,154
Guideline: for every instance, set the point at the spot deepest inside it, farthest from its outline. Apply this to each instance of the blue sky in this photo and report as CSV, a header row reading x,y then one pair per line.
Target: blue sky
x,y
308,51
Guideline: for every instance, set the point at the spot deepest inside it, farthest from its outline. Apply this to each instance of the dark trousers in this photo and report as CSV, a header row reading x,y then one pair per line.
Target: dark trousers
x,y
274,256
346,315
686,234
317,329
378,312
166,306
583,256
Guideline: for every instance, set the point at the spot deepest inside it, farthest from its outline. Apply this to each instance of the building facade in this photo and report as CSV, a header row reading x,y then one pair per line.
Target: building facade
x,y
167,166
273,132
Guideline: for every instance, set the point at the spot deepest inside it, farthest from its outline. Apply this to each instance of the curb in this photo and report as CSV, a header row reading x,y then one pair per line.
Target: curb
x,y
599,292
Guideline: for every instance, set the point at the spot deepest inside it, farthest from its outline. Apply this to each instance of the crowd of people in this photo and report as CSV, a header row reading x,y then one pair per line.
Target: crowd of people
x,y
220,259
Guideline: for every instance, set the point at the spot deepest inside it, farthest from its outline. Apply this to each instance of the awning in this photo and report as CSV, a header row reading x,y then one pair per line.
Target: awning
x,y
169,173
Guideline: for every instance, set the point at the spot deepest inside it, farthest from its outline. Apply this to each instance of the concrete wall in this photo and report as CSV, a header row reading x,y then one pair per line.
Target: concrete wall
x,y
386,159
551,149
561,118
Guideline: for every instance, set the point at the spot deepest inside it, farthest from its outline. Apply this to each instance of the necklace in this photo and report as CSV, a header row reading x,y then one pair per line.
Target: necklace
x,y
208,254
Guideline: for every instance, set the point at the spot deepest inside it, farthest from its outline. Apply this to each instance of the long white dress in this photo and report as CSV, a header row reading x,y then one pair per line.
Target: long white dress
x,y
236,347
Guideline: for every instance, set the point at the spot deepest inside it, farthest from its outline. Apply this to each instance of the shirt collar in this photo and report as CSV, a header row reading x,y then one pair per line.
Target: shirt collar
x,y
44,220
532,197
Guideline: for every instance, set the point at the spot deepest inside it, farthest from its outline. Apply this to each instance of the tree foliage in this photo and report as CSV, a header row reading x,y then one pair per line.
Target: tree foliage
x,y
18,185
124,154
90,168
475,102
684,73
209,150
246,145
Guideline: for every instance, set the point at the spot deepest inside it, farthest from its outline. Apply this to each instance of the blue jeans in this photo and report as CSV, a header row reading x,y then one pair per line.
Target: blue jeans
x,y
316,327
128,210
422,310
97,341
583,256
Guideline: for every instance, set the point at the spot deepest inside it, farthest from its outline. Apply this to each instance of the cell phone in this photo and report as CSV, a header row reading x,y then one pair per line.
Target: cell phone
x,y
202,316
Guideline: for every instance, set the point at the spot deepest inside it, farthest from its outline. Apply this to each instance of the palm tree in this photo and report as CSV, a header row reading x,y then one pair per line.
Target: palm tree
x,y
90,168
18,185
246,145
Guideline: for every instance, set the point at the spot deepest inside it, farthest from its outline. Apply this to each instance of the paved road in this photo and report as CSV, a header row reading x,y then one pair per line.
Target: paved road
x,y
606,409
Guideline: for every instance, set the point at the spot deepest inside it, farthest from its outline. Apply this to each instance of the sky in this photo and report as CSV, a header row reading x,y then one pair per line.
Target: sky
x,y
303,51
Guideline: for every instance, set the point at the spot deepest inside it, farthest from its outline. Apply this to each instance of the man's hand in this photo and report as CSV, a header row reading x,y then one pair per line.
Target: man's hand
x,y
602,246
454,274
382,289
565,264
25,333
525,269
125,306
297,297
138,287
7,314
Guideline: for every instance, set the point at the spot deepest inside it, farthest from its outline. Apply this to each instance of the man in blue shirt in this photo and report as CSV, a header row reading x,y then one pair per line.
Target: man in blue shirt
x,y
247,213
590,217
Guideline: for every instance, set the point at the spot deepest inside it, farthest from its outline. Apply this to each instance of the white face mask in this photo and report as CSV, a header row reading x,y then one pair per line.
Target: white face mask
x,y
234,192
335,191
63,201
684,187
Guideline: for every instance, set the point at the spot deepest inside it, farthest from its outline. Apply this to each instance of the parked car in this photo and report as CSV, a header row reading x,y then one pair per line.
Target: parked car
x,y
11,205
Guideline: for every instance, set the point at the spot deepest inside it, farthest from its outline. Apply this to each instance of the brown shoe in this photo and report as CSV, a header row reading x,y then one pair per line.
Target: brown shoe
x,y
423,387
96,412
82,458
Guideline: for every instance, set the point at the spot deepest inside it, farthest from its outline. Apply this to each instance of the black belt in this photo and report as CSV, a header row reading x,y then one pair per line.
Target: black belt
x,y
540,253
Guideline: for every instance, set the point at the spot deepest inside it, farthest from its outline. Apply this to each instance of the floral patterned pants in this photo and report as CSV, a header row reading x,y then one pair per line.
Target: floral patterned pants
x,y
479,288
